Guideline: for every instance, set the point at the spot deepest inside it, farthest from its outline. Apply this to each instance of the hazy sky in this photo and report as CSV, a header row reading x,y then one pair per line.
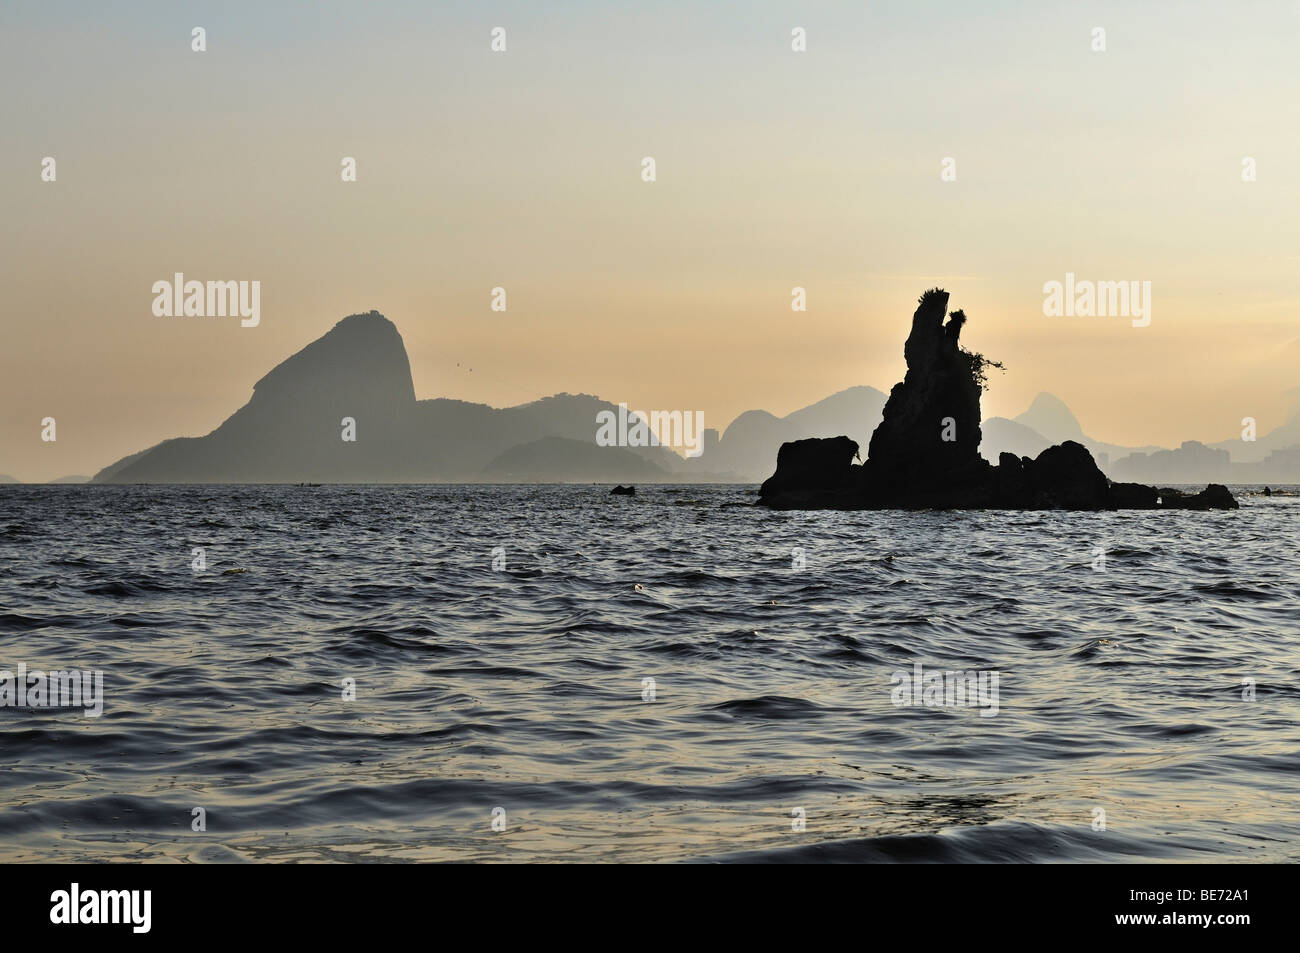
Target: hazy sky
x,y
523,169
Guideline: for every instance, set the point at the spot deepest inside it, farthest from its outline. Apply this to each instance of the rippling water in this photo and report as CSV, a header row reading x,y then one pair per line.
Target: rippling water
x,y
523,688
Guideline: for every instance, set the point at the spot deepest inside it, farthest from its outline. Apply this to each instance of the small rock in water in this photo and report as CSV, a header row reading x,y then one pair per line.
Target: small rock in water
x,y
623,491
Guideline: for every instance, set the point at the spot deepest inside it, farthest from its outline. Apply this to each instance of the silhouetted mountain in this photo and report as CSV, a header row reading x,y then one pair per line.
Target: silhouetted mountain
x,y
293,428
1007,436
7,479
1020,437
749,445
1049,416
1250,451
74,478
1273,457
106,475
459,440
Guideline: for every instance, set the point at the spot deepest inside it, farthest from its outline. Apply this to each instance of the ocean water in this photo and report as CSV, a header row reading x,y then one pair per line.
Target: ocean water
x,y
500,640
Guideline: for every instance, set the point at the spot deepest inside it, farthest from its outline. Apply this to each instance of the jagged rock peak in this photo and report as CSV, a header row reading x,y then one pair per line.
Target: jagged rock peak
x,y
930,433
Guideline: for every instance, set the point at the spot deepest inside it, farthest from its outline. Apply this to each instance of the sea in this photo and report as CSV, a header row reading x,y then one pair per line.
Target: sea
x,y
552,673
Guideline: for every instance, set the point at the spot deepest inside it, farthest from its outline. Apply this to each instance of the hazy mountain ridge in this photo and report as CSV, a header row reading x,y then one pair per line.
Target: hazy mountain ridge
x,y
71,478
749,445
293,430
1273,457
357,376
1048,421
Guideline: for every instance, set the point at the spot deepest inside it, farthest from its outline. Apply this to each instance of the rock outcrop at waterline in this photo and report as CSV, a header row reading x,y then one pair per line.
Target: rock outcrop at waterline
x,y
925,452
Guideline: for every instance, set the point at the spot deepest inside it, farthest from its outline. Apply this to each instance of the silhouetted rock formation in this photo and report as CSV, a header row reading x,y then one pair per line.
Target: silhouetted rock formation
x,y
1134,496
1216,496
811,473
925,452
623,491
929,438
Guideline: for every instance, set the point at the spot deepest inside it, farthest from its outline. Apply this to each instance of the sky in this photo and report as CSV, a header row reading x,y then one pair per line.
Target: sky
x,y
522,169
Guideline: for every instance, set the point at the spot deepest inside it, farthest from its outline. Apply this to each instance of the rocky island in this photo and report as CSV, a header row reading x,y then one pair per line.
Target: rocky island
x,y
925,452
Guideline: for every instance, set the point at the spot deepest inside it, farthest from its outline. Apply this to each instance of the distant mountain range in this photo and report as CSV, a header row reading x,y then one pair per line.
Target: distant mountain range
x,y
77,478
294,429
1273,457
1048,421
357,378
